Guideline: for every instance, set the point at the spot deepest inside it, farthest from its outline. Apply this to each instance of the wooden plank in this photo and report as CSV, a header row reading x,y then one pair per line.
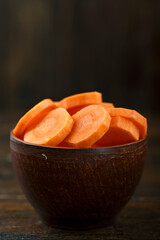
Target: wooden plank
x,y
139,220
56,48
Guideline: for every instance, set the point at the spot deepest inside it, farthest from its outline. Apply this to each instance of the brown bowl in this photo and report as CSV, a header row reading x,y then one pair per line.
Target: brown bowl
x,y
78,188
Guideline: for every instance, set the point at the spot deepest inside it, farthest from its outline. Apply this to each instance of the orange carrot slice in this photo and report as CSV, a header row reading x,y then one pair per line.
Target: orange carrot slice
x,y
107,105
33,115
121,131
90,124
134,116
57,103
87,98
52,129
73,110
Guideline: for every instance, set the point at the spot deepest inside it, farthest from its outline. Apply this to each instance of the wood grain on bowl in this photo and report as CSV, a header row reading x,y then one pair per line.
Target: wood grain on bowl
x,y
78,188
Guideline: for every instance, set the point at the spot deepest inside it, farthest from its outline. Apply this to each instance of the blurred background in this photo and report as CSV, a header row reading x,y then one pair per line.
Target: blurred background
x,y
55,48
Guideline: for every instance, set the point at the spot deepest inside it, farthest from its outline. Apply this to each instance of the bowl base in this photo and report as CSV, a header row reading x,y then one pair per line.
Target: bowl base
x,y
71,224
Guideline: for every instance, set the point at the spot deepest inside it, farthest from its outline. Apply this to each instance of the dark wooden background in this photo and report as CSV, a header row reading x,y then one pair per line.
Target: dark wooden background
x,y
54,48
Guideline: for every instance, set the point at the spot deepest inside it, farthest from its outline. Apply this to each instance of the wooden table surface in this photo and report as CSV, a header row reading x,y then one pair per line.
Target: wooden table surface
x,y
140,219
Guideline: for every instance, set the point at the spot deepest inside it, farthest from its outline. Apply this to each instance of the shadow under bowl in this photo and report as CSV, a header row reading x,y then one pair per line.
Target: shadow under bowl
x,y
78,188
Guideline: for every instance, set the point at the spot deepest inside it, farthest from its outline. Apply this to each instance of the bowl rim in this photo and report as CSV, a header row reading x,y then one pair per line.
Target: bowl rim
x,y
20,141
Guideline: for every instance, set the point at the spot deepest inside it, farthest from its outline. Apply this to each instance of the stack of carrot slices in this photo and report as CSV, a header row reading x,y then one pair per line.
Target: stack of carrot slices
x,y
80,121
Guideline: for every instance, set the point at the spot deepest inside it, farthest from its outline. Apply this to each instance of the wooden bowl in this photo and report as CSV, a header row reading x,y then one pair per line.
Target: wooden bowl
x,y
78,188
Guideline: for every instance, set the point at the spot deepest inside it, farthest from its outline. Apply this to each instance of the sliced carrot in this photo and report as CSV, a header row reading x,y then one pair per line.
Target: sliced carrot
x,y
73,110
62,144
107,105
121,131
52,129
87,98
33,115
57,103
134,116
90,124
